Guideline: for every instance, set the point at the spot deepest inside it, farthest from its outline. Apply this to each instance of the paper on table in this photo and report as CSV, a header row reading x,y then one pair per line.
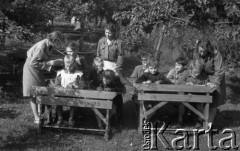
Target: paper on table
x,y
110,66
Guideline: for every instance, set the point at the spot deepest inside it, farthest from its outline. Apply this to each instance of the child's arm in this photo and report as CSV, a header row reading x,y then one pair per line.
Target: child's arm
x,y
119,86
163,80
170,74
80,82
58,81
142,78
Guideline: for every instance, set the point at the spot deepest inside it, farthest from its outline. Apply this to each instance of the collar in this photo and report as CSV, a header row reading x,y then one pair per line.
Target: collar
x,y
113,42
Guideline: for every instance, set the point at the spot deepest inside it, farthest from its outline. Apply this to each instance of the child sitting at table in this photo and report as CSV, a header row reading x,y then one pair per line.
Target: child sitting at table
x,y
69,77
197,76
95,76
71,49
141,69
153,76
110,82
178,75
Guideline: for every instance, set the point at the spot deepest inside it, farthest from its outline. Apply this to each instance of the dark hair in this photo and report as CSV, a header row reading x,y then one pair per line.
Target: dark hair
x,y
153,63
181,60
111,27
108,74
56,35
144,57
205,44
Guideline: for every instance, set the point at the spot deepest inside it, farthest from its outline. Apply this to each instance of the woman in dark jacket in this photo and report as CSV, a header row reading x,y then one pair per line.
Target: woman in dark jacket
x,y
214,67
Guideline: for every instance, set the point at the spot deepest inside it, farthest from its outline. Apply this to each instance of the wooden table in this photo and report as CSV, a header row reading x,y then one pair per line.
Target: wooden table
x,y
164,93
76,98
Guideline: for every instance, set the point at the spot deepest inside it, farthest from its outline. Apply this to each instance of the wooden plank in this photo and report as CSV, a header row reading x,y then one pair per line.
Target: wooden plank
x,y
140,124
194,110
174,88
99,114
54,91
154,109
73,128
174,97
76,102
206,114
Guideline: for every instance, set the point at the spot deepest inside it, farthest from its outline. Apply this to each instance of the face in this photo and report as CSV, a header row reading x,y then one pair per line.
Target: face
x,y
99,66
196,72
57,43
69,67
178,67
69,51
202,51
152,70
108,34
106,81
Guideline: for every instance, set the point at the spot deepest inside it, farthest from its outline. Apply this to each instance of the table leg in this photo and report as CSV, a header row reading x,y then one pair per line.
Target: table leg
x,y
41,119
106,136
206,115
140,117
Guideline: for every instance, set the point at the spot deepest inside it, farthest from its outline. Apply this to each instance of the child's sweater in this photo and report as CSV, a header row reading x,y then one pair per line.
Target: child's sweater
x,y
178,78
202,79
153,78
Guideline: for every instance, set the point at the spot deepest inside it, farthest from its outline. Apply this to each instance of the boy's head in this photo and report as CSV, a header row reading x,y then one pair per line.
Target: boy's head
x,y
152,66
98,64
108,76
144,59
71,48
196,68
69,62
110,31
180,64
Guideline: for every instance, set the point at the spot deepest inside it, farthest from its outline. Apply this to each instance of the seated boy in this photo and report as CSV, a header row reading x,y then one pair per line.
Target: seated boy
x,y
179,75
69,77
140,69
197,76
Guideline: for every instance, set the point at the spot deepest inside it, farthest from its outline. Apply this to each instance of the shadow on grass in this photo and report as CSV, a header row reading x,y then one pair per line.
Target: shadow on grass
x,y
8,113
227,119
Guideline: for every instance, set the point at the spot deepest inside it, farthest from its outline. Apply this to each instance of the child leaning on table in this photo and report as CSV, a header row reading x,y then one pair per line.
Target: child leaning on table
x,y
95,76
178,75
197,76
71,78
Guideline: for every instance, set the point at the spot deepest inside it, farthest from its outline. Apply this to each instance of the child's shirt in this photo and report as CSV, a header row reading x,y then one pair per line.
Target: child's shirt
x,y
202,79
64,79
95,78
178,77
153,78
139,71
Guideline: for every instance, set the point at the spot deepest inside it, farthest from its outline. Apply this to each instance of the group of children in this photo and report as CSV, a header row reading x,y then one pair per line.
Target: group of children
x,y
75,75
181,74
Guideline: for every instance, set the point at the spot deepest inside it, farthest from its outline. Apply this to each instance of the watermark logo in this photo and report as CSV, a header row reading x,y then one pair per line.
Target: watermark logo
x,y
152,135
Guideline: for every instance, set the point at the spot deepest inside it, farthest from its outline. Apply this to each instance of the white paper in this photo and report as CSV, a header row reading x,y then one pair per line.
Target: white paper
x,y
108,65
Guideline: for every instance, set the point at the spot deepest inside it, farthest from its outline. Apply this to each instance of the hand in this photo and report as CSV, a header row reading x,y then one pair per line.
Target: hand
x,y
211,85
107,89
55,63
70,86
99,89
189,83
148,81
158,82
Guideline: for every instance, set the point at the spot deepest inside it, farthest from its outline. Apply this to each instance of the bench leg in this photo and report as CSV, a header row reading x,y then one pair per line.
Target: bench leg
x,y
140,117
41,119
106,136
206,115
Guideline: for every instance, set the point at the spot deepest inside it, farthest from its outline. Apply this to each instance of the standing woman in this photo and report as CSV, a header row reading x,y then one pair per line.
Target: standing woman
x,y
37,61
110,49
214,67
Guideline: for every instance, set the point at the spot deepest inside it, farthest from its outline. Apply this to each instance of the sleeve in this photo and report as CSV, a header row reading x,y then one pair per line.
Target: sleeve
x,y
98,48
119,86
37,58
142,79
80,82
164,79
170,74
134,74
58,81
219,69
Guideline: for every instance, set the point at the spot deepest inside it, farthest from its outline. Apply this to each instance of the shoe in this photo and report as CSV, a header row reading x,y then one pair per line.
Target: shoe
x,y
71,123
59,123
37,121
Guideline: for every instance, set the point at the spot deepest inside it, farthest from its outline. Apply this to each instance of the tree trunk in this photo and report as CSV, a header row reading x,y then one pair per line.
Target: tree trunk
x,y
161,34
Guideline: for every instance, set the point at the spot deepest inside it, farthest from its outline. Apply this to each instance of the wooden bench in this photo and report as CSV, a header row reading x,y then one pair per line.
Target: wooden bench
x,y
75,98
162,94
